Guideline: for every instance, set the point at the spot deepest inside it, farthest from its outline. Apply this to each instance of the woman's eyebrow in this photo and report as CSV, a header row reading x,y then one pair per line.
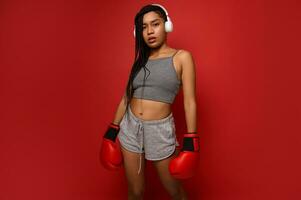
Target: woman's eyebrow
x,y
152,21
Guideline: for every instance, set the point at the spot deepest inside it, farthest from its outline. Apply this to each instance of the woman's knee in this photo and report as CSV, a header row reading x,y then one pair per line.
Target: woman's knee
x,y
179,193
136,191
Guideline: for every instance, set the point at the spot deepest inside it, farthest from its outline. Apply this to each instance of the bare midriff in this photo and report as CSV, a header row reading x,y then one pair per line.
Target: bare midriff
x,y
148,109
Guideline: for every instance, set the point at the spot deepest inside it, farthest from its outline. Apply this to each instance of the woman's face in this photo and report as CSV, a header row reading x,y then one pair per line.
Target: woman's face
x,y
153,27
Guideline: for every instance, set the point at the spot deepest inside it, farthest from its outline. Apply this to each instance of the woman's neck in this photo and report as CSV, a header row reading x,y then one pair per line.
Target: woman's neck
x,y
163,49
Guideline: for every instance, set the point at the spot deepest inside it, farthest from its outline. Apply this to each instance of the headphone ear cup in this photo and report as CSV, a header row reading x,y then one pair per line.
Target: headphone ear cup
x,y
168,26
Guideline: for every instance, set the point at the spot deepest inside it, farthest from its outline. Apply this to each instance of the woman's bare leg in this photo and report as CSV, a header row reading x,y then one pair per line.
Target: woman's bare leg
x,y
172,185
135,181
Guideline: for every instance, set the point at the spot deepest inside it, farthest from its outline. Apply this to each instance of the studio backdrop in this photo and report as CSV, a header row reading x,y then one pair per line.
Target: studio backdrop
x,y
64,66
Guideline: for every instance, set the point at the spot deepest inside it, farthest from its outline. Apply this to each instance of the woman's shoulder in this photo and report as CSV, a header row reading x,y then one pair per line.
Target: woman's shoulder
x,y
183,54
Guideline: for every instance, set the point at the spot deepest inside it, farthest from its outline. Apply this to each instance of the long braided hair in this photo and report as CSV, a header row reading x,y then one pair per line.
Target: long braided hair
x,y
142,51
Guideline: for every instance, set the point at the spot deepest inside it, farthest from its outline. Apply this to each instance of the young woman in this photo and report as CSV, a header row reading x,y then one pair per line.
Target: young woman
x,y
144,122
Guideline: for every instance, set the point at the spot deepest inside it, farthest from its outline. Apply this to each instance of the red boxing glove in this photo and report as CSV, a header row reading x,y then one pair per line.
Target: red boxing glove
x,y
186,163
110,154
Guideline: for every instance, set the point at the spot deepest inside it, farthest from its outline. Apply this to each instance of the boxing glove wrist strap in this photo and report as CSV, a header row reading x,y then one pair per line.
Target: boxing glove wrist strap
x,y
114,125
112,131
191,142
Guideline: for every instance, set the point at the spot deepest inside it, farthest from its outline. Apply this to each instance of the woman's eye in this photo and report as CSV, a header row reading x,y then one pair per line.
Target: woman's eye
x,y
157,24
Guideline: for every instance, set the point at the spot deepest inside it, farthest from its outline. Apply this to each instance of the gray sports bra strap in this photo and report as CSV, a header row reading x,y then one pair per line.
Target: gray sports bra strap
x,y
175,52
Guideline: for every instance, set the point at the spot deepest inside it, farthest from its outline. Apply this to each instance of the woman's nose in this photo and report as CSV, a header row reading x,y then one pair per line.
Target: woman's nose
x,y
150,30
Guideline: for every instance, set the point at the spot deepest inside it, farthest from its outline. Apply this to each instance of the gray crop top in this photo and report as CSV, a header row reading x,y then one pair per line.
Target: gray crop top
x,y
161,83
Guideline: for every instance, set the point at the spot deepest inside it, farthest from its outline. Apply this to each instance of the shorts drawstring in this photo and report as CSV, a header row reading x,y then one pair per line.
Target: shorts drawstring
x,y
140,127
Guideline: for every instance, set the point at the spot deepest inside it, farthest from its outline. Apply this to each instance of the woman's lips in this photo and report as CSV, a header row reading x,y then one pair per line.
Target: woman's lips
x,y
151,40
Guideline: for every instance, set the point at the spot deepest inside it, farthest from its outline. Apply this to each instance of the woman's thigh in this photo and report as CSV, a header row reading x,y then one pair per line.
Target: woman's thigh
x,y
172,185
136,182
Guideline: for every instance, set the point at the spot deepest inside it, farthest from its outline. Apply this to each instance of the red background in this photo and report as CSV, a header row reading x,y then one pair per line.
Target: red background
x,y
64,66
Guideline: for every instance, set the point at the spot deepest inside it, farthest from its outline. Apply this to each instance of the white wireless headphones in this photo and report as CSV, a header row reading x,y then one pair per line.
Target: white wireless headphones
x,y
168,24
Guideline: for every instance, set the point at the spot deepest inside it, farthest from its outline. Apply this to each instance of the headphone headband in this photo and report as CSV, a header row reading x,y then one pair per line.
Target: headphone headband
x,y
155,4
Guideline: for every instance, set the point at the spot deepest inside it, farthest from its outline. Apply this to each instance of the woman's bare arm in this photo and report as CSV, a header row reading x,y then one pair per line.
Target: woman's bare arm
x,y
189,91
120,111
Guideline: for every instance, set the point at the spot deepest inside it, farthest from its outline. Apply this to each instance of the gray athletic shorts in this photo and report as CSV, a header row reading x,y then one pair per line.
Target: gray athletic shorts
x,y
156,138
